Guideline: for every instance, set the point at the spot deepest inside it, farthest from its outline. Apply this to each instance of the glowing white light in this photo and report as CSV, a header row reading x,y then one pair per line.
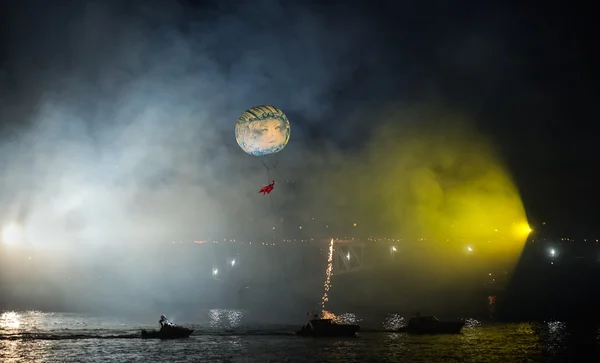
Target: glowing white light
x,y
469,249
348,256
393,248
215,271
12,234
552,252
232,263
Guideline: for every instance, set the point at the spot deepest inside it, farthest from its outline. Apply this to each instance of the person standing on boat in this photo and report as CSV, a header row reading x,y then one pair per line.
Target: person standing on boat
x,y
164,321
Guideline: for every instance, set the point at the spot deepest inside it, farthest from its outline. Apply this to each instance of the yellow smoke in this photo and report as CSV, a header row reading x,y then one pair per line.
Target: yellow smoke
x,y
438,181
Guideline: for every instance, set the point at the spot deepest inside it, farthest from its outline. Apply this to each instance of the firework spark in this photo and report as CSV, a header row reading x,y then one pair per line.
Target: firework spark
x,y
328,274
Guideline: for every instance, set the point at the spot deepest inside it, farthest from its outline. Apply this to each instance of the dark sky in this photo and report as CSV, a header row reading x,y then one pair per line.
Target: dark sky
x,y
522,72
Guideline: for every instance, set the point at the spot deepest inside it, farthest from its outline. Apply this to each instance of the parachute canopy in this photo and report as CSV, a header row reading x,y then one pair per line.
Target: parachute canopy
x,y
262,130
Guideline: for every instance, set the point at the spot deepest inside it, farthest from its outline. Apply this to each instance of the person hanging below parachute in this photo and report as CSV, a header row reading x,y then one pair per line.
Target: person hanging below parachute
x,y
263,131
267,189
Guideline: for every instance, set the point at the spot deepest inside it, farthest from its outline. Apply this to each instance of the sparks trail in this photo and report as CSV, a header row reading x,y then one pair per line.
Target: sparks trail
x,y
328,274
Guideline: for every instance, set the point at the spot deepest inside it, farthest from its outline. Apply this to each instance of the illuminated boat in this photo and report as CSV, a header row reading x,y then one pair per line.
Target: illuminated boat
x,y
431,325
167,332
327,328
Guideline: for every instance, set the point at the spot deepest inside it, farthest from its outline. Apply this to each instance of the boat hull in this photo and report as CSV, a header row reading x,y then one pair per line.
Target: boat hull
x,y
324,328
167,333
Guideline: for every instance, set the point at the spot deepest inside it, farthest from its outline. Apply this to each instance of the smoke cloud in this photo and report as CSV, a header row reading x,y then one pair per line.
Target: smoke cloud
x,y
119,144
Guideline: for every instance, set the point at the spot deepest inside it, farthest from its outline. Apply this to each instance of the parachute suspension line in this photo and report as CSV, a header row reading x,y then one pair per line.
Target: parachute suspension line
x,y
276,217
270,165
269,180
274,164
279,237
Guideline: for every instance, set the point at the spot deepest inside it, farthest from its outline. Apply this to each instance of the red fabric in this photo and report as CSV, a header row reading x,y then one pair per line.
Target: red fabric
x,y
267,189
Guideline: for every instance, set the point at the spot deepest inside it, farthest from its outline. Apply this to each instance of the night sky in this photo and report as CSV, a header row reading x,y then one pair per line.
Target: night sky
x,y
522,72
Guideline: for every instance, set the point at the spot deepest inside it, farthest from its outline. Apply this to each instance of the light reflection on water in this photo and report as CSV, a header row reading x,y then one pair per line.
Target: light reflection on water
x,y
11,350
556,333
348,318
393,321
9,320
76,337
225,318
472,323
10,323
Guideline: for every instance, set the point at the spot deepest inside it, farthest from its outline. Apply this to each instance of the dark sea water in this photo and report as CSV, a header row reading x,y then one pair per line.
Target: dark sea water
x,y
237,336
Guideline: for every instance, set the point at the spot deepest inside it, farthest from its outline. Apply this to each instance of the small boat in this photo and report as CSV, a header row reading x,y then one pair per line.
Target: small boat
x,y
327,328
431,325
167,332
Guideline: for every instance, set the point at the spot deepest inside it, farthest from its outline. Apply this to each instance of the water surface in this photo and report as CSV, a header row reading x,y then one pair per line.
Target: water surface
x,y
237,336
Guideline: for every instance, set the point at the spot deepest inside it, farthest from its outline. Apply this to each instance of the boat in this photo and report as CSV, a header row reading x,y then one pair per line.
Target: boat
x,y
431,325
168,332
327,328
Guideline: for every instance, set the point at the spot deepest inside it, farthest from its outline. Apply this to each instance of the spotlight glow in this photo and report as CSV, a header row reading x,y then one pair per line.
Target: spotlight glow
x,y
12,234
